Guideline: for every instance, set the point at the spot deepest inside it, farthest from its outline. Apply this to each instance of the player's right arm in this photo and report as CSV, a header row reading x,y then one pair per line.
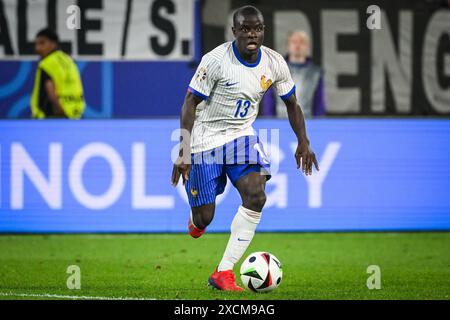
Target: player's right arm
x,y
50,89
199,89
182,166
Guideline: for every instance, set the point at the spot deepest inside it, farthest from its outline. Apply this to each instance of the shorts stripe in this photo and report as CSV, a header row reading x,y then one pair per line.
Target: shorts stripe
x,y
247,139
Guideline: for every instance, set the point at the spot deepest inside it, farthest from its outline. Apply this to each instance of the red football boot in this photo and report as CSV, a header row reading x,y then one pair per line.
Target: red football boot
x,y
194,231
224,280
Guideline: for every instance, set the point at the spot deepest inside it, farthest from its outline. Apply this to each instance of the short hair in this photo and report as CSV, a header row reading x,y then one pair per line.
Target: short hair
x,y
246,11
49,34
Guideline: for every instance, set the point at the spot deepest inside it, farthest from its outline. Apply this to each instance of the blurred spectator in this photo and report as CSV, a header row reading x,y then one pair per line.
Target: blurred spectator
x,y
58,91
307,76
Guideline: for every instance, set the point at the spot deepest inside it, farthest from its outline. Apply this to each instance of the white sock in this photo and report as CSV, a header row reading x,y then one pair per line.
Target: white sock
x,y
242,231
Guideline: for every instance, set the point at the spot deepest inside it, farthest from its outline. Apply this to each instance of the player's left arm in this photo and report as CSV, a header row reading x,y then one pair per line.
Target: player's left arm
x,y
304,154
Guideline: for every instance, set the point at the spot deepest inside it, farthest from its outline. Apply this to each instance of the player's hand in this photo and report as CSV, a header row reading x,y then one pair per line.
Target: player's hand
x,y
305,158
180,169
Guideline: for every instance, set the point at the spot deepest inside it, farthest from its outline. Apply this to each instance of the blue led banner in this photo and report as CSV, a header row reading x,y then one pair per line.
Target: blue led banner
x,y
114,176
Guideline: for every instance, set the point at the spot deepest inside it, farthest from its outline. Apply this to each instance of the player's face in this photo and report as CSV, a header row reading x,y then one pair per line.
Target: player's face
x,y
249,34
43,46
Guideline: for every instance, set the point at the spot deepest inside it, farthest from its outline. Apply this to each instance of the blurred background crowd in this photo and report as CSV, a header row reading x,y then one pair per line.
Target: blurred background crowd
x,y
135,58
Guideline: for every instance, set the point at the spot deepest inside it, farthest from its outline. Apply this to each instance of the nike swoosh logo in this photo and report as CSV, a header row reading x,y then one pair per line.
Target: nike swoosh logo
x,y
230,84
239,239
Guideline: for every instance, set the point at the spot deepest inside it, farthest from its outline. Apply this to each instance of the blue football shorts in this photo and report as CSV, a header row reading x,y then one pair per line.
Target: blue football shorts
x,y
210,169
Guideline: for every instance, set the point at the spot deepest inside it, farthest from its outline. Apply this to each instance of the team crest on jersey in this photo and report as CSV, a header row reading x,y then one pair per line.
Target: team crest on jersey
x,y
201,74
265,84
194,192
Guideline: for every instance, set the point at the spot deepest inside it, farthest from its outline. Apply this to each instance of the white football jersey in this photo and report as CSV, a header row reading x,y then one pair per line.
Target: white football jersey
x,y
232,90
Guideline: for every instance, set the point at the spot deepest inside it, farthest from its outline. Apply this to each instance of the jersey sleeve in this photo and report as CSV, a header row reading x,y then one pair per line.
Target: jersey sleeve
x,y
44,76
284,85
205,77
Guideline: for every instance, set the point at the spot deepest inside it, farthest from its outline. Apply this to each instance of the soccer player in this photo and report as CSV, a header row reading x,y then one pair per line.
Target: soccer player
x,y
218,111
58,91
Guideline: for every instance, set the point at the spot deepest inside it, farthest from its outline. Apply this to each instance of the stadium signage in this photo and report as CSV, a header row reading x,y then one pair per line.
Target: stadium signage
x,y
96,29
392,58
48,181
59,176
49,185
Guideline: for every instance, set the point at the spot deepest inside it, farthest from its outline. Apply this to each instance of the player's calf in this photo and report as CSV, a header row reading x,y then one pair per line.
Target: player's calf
x,y
254,199
251,188
200,217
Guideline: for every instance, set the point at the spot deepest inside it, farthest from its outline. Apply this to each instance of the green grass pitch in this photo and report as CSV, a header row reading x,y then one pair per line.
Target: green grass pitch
x,y
175,266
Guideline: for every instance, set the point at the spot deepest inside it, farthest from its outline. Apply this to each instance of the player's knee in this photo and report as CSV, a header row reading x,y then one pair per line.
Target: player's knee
x,y
256,200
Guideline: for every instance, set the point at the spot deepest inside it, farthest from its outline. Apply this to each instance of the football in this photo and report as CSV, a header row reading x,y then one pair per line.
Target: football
x,y
261,272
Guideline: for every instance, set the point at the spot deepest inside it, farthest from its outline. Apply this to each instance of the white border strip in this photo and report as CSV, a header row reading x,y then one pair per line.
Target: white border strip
x,y
59,296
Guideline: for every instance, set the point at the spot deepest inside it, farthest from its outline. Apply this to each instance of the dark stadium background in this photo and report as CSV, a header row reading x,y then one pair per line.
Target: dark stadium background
x,y
380,179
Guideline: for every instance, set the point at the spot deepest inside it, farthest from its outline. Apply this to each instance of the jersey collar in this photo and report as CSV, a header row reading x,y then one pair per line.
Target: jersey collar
x,y
251,65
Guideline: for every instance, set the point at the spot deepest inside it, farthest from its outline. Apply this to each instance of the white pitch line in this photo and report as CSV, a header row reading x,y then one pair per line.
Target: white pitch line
x,y
59,296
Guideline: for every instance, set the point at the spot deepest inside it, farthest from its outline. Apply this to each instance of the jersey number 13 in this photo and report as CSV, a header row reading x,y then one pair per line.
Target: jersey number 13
x,y
242,108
